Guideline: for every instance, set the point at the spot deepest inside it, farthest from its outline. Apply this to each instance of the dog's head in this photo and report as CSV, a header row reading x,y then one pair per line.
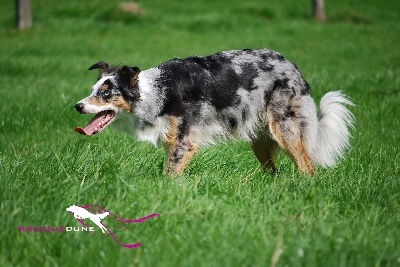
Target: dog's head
x,y
115,91
72,208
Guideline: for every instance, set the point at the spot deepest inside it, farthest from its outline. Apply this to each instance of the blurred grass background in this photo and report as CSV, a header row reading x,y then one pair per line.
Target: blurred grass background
x,y
223,211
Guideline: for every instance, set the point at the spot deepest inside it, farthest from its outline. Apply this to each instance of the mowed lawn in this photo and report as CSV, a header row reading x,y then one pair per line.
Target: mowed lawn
x,y
223,211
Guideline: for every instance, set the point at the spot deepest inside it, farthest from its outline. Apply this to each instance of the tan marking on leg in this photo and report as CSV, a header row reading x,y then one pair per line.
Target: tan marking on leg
x,y
293,146
176,162
305,159
186,159
176,166
299,155
274,129
170,139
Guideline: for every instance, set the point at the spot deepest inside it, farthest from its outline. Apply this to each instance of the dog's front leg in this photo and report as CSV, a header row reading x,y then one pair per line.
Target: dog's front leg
x,y
179,147
179,156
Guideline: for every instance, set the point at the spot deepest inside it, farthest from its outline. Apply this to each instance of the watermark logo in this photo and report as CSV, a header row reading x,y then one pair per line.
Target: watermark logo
x,y
81,213
95,214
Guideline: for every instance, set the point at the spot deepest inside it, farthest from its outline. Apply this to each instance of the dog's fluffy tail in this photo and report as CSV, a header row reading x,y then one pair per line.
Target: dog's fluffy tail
x,y
327,136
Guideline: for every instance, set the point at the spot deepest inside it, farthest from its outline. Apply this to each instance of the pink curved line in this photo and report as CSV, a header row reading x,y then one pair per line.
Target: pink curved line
x,y
139,220
122,245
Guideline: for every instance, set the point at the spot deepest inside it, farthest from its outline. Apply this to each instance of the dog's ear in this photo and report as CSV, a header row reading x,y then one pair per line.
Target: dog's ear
x,y
101,66
129,75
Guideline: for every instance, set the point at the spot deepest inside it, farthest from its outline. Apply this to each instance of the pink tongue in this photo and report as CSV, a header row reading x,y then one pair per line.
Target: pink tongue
x,y
96,124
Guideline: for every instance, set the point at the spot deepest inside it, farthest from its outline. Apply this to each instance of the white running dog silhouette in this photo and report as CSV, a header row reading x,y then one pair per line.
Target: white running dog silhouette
x,y
81,213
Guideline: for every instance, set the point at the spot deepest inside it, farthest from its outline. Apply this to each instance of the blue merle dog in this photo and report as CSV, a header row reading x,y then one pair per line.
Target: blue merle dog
x,y
255,95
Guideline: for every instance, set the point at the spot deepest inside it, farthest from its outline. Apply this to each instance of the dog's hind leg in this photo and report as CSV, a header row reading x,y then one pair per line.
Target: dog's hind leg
x,y
180,149
263,147
287,135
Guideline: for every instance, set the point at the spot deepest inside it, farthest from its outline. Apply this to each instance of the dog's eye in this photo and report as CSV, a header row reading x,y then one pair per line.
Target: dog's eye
x,y
106,93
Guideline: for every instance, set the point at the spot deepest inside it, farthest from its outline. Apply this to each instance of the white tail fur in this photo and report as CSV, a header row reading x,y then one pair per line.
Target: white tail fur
x,y
327,136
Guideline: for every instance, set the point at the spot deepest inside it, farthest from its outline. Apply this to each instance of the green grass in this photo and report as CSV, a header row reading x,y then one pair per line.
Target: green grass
x,y
223,211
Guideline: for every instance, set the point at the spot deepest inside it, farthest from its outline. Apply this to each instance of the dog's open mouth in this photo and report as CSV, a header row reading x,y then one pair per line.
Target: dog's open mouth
x,y
97,124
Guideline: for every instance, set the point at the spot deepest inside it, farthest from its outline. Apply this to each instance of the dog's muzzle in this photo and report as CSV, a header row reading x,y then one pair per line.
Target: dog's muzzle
x,y
79,107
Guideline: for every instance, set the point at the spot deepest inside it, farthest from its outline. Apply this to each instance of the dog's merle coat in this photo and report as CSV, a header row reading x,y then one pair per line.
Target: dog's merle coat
x,y
256,95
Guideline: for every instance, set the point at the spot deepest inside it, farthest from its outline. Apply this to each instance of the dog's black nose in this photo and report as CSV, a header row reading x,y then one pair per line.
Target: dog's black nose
x,y
79,107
